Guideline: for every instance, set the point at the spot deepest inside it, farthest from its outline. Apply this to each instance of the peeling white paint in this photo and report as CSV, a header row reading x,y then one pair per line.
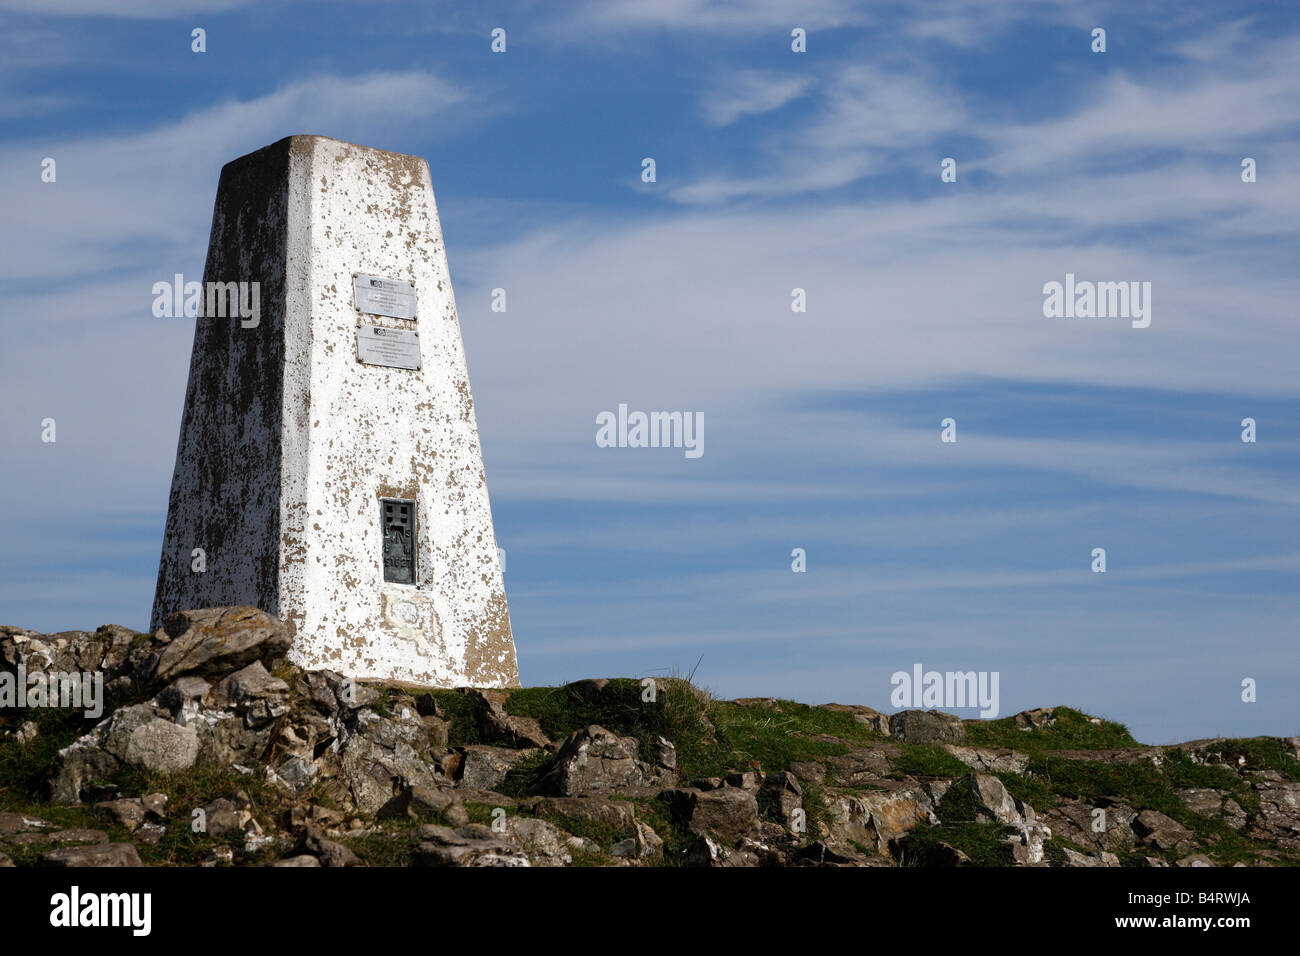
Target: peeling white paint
x,y
295,495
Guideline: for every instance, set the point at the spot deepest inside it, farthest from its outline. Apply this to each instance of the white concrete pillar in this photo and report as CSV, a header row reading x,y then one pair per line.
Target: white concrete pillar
x,y
303,431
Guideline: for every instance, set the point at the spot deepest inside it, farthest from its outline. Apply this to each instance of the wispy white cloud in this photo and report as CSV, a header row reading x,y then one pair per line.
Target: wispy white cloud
x,y
733,16
740,93
123,9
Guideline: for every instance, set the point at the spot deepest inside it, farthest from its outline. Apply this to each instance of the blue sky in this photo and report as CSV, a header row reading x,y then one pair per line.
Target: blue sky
x,y
775,170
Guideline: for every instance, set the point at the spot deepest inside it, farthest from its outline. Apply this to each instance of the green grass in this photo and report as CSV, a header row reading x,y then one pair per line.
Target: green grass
x,y
525,774
1029,789
604,834
1071,730
481,812
1184,773
712,738
679,713
382,848
1261,753
24,766
458,710
770,739
927,760
984,843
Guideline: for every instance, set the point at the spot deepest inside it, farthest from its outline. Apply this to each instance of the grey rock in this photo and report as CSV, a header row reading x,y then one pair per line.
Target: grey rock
x,y
879,818
470,845
989,761
129,812
809,770
857,767
1154,828
926,727
542,842
618,814
873,719
312,843
107,854
417,801
593,761
1036,719
14,823
214,642
727,812
786,792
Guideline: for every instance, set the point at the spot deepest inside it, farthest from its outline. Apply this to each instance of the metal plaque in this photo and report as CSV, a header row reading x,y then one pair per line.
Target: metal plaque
x,y
395,348
379,296
397,518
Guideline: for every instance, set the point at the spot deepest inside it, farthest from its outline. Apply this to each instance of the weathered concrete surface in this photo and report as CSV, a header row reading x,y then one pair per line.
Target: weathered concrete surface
x,y
288,441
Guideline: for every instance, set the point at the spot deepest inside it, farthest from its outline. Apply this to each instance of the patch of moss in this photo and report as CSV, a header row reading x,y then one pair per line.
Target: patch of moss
x,y
382,848
457,709
927,760
679,713
603,834
816,809
481,812
1070,729
677,839
1260,753
1184,773
771,738
984,843
525,774
1029,789
24,766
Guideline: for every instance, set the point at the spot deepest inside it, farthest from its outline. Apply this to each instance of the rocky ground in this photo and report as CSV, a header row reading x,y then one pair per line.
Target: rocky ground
x,y
213,751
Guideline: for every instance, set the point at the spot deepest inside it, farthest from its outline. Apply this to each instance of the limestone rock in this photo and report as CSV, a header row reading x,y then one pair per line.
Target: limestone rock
x,y
329,853
108,854
128,812
856,767
231,814
1035,719
484,767
786,793
495,724
989,761
880,818
1154,828
15,823
926,727
617,814
417,801
470,845
214,642
707,852
729,812
542,842
873,719
1278,819
593,761
135,736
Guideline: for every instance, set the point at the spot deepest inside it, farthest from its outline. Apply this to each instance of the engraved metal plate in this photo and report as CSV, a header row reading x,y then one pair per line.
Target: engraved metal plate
x,y
379,296
397,519
395,348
